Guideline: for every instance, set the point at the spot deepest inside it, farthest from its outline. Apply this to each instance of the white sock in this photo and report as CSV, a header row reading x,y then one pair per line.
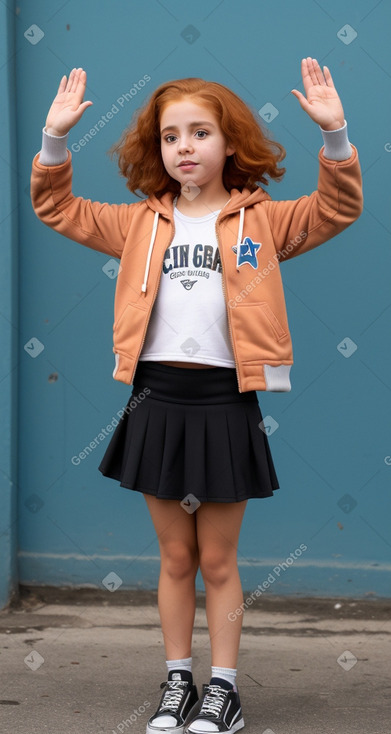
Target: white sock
x,y
228,674
181,664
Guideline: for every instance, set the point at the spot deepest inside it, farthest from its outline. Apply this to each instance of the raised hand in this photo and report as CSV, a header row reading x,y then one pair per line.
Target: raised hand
x,y
68,106
322,104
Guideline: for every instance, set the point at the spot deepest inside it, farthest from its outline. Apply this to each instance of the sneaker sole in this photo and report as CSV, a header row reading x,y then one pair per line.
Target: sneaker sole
x,y
165,730
238,725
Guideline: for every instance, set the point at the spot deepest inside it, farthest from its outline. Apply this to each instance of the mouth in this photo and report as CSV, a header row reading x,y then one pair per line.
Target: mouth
x,y
187,165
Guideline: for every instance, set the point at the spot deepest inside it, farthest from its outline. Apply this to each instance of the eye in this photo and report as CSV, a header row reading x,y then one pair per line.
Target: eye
x,y
173,136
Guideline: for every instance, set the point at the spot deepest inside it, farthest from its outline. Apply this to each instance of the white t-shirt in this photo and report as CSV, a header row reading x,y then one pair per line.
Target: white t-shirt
x,y
189,321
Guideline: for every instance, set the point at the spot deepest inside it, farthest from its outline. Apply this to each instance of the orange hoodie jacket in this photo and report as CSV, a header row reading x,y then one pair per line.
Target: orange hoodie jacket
x,y
139,233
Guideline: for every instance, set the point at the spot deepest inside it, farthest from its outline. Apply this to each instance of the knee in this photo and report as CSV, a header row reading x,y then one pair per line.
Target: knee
x,y
179,560
217,567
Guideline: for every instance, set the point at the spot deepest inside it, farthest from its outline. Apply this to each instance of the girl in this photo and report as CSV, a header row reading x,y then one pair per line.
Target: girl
x,y
199,326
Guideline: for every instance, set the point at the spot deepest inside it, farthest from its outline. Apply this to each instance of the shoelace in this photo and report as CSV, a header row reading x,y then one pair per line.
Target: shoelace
x,y
213,701
173,696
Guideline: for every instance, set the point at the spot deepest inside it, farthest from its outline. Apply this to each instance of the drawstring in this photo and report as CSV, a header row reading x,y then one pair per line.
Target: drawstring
x,y
153,236
154,230
240,234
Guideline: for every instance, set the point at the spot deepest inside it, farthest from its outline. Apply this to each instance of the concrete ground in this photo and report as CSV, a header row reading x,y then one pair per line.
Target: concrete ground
x,y
83,662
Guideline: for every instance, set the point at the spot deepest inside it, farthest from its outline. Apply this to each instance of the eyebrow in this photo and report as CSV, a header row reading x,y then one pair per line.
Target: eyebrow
x,y
191,125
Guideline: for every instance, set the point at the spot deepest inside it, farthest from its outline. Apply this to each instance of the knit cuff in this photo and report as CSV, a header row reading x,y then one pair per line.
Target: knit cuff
x,y
336,143
54,149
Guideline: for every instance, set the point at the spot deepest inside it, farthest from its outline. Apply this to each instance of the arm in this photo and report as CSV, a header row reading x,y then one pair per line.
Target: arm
x,y
102,227
338,201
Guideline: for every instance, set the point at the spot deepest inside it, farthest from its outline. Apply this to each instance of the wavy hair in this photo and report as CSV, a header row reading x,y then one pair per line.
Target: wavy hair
x,y
139,152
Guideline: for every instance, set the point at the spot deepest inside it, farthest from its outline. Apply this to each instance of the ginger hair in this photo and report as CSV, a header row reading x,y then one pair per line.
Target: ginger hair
x,y
139,152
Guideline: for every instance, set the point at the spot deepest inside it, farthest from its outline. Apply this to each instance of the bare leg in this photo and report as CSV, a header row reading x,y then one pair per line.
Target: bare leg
x,y
218,528
176,532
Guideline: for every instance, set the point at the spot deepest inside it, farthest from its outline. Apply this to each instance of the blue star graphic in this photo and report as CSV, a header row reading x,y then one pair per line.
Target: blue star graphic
x,y
248,252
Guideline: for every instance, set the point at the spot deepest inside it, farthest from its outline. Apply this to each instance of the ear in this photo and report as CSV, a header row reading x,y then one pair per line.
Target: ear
x,y
230,150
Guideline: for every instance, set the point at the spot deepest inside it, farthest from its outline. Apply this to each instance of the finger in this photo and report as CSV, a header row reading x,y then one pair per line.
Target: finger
x,y
311,70
62,85
70,80
301,99
81,86
318,73
328,77
84,105
296,93
75,80
307,82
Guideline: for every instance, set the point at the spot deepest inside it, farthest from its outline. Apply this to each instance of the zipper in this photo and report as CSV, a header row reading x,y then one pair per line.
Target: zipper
x,y
226,303
153,301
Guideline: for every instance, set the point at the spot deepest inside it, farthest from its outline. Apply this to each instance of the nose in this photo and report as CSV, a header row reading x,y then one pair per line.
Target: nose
x,y
184,144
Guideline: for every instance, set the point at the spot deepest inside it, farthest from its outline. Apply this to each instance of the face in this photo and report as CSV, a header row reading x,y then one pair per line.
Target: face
x,y
203,143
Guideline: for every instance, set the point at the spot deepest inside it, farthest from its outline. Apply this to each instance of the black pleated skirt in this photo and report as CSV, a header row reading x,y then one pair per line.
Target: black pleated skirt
x,y
189,431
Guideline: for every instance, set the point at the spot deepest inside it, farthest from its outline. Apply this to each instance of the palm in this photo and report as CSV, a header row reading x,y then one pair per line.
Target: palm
x,y
322,104
68,106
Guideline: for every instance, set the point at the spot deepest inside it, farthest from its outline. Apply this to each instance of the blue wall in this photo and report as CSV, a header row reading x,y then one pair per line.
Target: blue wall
x,y
8,313
333,439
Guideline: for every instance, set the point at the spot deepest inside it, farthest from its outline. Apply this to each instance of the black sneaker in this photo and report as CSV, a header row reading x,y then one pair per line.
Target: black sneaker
x,y
220,707
178,698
